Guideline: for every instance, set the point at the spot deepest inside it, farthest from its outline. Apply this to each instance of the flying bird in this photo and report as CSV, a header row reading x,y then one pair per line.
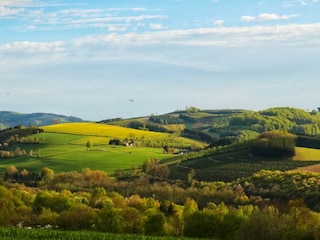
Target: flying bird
x,y
131,100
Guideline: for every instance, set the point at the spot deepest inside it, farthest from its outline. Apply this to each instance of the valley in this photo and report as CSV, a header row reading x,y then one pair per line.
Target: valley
x,y
169,175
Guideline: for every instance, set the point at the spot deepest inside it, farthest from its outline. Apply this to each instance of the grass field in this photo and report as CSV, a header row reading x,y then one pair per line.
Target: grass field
x,y
67,152
33,234
63,148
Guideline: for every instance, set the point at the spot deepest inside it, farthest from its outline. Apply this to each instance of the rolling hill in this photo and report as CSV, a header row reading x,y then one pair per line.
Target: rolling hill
x,y
62,147
11,119
225,126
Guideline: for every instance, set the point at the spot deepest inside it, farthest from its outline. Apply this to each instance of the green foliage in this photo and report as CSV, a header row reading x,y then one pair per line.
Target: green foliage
x,y
198,135
283,119
308,141
192,109
88,145
216,124
217,222
154,225
109,219
154,168
285,185
19,134
274,145
78,217
51,200
165,119
216,210
295,115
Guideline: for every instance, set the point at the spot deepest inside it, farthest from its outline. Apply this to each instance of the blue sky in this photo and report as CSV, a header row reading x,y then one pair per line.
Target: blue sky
x,y
89,58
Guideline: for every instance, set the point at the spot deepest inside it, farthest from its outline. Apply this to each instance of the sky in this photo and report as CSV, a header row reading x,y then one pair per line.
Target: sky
x,y
122,58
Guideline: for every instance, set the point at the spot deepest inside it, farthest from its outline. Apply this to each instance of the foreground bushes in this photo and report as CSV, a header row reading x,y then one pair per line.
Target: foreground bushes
x,y
260,207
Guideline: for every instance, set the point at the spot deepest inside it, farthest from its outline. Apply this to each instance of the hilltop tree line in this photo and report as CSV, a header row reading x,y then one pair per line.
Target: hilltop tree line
x,y
284,119
19,134
268,205
10,136
212,125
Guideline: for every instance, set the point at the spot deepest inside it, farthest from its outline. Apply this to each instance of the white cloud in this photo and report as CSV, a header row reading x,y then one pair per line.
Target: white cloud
x,y
272,16
41,15
156,26
33,47
223,36
267,17
218,22
248,18
16,3
117,28
80,18
139,9
290,3
7,11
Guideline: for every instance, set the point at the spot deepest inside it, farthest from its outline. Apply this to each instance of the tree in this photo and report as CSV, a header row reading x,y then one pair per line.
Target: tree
x,y
11,170
203,224
192,109
47,174
88,145
78,217
57,202
154,224
154,168
265,224
110,219
133,219
11,173
165,149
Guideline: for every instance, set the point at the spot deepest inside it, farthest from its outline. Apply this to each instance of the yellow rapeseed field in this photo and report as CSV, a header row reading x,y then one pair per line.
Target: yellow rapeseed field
x,y
306,154
98,133
102,130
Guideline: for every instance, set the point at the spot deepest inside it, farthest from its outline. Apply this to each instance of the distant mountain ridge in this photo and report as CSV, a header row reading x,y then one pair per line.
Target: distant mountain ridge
x,y
11,119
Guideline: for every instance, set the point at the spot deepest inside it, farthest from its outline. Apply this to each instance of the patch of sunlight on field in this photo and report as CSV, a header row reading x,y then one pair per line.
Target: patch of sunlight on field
x,y
312,168
305,154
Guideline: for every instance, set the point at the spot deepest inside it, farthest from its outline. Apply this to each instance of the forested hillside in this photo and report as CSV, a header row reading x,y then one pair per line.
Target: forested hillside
x,y
13,119
222,127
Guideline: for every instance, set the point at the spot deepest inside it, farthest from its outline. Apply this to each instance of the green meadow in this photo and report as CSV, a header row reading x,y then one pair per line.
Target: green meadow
x,y
32,234
68,152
